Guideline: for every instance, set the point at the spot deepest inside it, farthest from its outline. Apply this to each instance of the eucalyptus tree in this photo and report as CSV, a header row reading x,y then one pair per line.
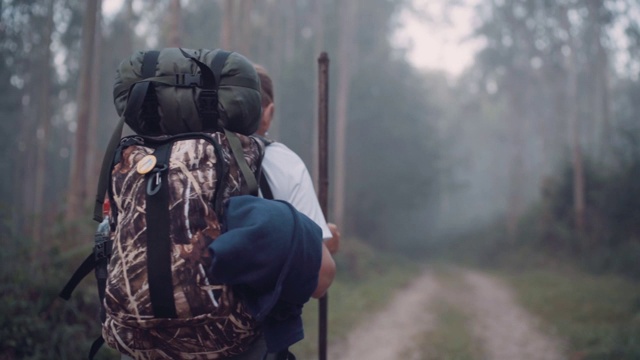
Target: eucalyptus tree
x,y
44,123
392,158
28,81
552,66
78,185
535,58
17,39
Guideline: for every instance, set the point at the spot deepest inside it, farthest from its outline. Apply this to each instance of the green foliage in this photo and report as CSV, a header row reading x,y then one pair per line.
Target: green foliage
x,y
599,315
611,241
34,322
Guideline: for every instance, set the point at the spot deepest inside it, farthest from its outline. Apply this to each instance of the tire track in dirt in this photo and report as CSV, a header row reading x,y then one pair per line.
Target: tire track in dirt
x,y
505,330
385,335
502,328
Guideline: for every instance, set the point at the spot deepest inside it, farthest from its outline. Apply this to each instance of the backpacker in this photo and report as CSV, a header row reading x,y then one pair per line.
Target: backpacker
x,y
192,111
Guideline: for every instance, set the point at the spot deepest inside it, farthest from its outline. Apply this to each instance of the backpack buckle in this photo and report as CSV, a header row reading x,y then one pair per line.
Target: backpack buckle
x,y
188,80
103,247
208,103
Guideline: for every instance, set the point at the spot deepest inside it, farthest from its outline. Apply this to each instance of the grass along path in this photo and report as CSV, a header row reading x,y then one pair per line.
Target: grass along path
x,y
599,315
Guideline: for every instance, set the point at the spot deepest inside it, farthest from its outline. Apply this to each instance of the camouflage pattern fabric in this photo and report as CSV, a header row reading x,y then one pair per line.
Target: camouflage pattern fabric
x,y
212,323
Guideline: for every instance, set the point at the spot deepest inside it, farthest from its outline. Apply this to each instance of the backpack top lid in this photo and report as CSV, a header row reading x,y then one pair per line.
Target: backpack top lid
x,y
170,108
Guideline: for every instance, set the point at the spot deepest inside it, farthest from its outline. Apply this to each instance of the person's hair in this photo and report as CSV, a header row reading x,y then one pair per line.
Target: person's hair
x,y
266,86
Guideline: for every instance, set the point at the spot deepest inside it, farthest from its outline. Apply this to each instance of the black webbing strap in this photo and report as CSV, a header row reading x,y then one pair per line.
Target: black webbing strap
x,y
214,120
98,260
190,80
265,188
137,94
97,343
217,64
158,240
81,272
148,70
103,180
206,74
238,154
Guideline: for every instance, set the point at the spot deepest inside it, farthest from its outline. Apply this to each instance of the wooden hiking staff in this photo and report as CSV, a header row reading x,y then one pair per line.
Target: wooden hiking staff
x,y
323,180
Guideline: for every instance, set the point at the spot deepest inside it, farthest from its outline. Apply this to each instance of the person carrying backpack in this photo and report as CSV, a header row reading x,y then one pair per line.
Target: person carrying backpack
x,y
285,176
196,266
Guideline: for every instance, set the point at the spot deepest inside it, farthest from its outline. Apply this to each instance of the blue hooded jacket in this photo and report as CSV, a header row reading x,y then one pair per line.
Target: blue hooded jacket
x,y
271,253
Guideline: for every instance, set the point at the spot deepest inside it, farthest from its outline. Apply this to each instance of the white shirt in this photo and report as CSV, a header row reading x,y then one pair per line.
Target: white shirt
x,y
290,181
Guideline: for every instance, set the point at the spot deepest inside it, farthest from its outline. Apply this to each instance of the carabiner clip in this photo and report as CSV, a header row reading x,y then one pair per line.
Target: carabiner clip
x,y
155,181
153,184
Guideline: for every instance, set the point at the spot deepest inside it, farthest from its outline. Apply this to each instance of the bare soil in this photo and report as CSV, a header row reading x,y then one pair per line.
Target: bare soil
x,y
502,328
506,331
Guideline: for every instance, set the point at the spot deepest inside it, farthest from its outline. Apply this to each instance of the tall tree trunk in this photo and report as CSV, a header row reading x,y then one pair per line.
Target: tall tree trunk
x,y
44,126
346,53
175,24
576,152
226,33
245,40
605,93
93,156
25,158
127,42
601,80
574,128
276,58
77,181
517,74
515,167
290,21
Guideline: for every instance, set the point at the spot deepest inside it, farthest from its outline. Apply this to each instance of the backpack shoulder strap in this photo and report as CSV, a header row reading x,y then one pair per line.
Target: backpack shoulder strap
x,y
148,70
236,150
104,170
265,188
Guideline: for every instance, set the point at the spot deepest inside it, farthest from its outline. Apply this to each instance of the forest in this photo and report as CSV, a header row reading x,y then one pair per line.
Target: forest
x,y
533,148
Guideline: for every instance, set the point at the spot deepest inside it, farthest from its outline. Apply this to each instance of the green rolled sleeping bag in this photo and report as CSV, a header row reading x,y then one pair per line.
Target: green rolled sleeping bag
x,y
180,95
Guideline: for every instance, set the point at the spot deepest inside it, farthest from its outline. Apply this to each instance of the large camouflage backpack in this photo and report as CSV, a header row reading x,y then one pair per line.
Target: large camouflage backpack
x,y
193,112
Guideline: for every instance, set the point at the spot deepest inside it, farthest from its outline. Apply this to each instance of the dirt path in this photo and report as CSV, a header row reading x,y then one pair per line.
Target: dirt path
x,y
502,328
505,329
386,335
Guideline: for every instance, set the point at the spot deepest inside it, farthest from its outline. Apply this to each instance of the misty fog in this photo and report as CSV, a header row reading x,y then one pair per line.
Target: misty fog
x,y
465,128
